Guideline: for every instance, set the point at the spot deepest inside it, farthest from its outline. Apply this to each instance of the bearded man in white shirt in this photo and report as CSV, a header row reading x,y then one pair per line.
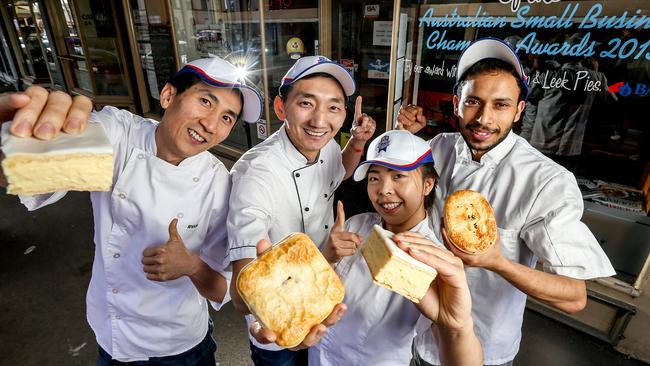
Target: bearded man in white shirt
x,y
537,204
160,236
286,183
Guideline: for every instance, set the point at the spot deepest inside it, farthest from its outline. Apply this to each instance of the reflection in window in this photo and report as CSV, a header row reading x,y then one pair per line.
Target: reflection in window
x,y
28,32
585,108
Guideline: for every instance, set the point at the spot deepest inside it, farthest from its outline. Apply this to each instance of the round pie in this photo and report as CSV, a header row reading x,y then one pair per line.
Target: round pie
x,y
470,222
290,288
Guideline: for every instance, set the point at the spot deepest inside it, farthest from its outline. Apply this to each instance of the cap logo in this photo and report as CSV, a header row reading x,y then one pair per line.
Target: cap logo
x,y
383,144
322,59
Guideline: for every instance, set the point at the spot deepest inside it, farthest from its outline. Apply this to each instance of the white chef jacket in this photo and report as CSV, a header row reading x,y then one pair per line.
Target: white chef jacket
x,y
379,326
135,318
538,207
275,192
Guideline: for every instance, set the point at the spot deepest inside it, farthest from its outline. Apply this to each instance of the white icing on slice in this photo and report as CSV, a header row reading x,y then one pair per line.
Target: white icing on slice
x,y
395,250
93,140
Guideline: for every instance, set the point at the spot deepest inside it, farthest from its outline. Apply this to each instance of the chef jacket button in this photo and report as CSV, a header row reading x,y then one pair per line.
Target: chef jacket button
x,y
297,175
195,179
140,156
321,161
115,291
306,208
118,317
325,195
180,215
122,195
327,227
116,255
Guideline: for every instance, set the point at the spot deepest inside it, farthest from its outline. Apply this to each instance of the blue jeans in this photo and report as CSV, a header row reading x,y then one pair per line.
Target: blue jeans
x,y
285,357
200,355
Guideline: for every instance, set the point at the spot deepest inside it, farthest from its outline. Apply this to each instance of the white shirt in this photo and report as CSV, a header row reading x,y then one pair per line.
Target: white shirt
x,y
276,192
379,326
538,207
134,318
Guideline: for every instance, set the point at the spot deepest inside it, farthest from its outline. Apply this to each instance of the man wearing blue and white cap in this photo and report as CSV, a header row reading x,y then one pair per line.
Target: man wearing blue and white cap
x,y
537,204
160,232
286,183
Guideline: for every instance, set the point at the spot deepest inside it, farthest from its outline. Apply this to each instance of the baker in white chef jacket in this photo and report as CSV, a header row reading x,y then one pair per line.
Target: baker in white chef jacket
x,y
286,183
160,233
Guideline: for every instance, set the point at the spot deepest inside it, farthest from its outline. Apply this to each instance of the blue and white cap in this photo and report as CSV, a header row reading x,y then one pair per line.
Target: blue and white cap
x,y
395,149
490,47
220,73
314,64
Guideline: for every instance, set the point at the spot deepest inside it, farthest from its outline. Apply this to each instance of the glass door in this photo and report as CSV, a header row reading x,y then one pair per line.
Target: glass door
x,y
28,30
361,41
90,41
48,49
72,55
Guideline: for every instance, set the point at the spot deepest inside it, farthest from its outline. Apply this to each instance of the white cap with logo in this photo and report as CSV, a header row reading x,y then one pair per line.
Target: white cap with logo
x,y
220,73
489,47
397,150
316,64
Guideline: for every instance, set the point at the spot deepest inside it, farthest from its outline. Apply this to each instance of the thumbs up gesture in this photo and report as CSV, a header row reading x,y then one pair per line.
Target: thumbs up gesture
x,y
340,243
363,126
171,260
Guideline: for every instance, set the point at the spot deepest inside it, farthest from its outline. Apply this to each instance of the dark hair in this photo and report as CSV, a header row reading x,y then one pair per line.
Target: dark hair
x,y
489,65
429,171
186,80
284,90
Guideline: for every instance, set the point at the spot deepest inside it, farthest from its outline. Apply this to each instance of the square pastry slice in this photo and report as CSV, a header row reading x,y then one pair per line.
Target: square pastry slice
x,y
82,162
393,268
290,288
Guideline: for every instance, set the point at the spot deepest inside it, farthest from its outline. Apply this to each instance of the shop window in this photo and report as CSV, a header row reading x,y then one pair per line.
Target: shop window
x,y
91,50
7,70
361,41
99,33
153,33
47,47
28,30
594,114
73,58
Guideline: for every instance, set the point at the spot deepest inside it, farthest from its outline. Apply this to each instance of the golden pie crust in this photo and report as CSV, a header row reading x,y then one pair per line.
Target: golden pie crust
x,y
470,222
290,288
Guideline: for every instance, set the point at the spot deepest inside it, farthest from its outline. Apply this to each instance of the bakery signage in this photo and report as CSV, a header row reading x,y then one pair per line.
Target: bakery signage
x,y
581,44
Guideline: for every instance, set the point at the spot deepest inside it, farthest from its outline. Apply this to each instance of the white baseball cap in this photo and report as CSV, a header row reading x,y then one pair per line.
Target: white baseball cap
x,y
220,73
489,47
397,150
314,64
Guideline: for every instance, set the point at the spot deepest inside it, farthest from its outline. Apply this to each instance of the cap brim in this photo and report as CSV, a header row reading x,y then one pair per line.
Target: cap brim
x,y
334,69
362,170
252,108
